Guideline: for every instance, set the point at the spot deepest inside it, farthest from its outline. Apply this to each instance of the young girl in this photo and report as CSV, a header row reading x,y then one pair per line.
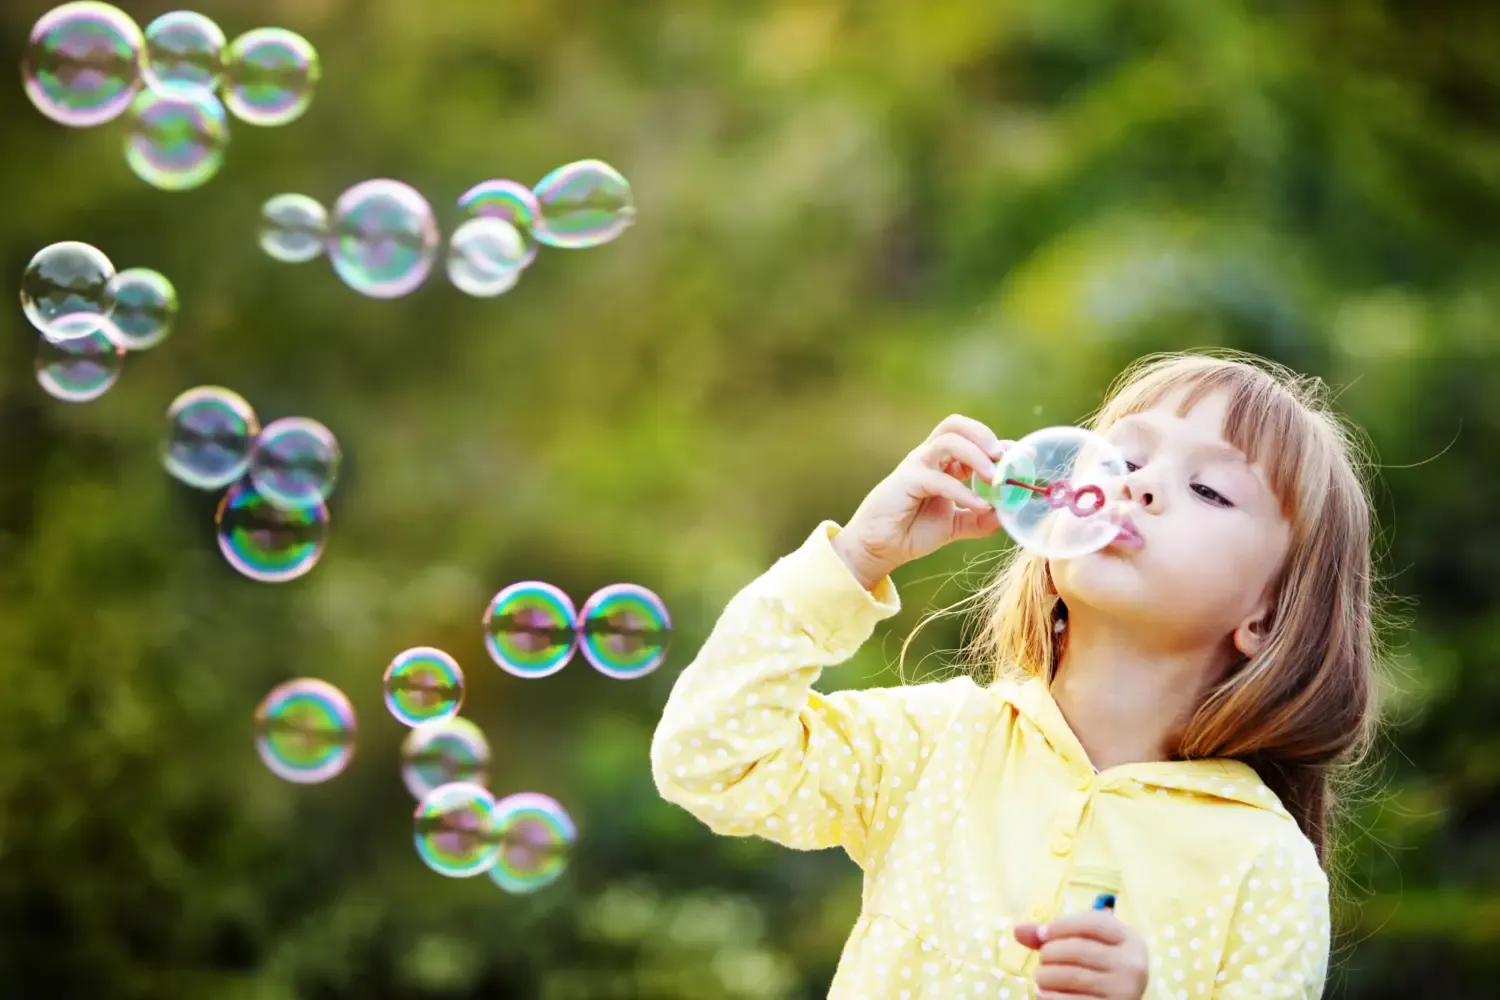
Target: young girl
x,y
1160,724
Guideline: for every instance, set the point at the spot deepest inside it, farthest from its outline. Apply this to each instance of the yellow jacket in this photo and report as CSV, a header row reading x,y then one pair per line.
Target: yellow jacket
x,y
973,809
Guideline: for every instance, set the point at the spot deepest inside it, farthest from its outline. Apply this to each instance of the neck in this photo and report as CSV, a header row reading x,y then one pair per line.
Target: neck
x,y
1124,697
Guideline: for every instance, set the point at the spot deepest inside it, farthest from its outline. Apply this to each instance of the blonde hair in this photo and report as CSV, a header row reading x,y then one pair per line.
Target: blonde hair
x,y
1306,703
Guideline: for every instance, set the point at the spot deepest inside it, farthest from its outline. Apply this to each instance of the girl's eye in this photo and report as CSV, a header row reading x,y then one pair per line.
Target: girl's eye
x,y
1130,466
1212,495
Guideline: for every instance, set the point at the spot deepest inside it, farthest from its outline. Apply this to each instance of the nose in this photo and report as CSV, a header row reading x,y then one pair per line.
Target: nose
x,y
1139,489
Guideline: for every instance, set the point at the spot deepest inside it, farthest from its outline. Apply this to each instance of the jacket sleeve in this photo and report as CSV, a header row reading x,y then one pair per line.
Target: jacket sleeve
x,y
1279,934
748,747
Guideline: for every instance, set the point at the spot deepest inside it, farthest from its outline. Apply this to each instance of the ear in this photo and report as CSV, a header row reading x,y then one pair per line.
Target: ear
x,y
1251,635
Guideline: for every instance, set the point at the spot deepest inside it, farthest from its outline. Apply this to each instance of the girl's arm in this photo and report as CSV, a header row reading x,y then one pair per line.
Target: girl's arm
x,y
749,748
1279,933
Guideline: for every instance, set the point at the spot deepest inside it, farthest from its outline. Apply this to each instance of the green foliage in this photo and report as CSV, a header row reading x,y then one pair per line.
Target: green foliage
x,y
853,220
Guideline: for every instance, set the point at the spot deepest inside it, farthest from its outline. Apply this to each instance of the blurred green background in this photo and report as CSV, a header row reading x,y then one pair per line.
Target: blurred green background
x,y
854,219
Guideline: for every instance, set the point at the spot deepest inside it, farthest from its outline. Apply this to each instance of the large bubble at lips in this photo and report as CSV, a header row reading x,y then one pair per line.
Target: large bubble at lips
x,y
82,64
583,204
1057,492
384,239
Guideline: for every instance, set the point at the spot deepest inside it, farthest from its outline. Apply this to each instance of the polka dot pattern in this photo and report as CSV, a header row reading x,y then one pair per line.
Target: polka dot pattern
x,y
972,810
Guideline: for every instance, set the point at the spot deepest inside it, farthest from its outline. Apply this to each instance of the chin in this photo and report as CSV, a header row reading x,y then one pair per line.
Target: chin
x,y
1103,582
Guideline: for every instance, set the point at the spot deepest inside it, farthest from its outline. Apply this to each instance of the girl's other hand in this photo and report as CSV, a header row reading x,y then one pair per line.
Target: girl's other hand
x,y
1090,954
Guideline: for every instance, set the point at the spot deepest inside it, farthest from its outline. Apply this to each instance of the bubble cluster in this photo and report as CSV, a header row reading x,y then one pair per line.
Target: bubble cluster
x,y
293,228
536,834
270,76
66,291
82,64
78,370
305,730
177,137
442,752
267,543
185,50
1057,492
455,830
145,309
210,431
423,685
294,462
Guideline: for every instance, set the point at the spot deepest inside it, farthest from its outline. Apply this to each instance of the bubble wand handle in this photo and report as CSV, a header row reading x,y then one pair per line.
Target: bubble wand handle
x,y
1084,502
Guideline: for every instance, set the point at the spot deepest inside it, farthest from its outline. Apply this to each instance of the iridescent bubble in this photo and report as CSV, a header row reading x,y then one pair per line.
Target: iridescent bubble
x,y
531,629
484,257
508,202
584,204
1057,492
210,431
185,50
304,731
536,836
442,752
625,631
65,290
177,138
293,228
384,239
78,370
270,75
423,685
455,830
267,543
145,309
82,63
295,462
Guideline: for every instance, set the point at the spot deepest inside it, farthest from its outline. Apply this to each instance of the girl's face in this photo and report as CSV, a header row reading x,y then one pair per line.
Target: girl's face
x,y
1210,537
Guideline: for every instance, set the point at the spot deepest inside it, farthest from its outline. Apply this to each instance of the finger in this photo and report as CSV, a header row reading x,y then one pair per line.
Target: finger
x,y
932,483
1100,925
1027,936
969,428
949,449
1071,980
975,523
1081,952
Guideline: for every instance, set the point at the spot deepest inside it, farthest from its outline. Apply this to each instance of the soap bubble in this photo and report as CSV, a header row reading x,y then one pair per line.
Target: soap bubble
x,y
65,290
210,431
384,238
266,543
509,202
78,370
184,49
293,228
82,63
1057,492
625,631
536,835
145,309
295,462
485,257
455,830
423,685
270,75
531,629
304,731
583,204
177,138
442,752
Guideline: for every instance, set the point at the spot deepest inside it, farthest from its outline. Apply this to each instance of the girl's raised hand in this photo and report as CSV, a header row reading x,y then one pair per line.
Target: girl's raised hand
x,y
1091,954
925,503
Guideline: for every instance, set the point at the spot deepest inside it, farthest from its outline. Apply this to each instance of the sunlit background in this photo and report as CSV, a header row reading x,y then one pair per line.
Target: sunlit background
x,y
853,219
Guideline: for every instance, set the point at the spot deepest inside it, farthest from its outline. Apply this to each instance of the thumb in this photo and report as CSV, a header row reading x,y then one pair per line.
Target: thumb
x,y
1028,936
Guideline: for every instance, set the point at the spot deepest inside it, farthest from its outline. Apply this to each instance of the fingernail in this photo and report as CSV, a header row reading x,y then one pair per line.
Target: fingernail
x,y
1041,933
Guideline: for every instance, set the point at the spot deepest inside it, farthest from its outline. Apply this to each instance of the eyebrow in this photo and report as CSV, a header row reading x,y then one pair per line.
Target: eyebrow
x,y
1211,449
